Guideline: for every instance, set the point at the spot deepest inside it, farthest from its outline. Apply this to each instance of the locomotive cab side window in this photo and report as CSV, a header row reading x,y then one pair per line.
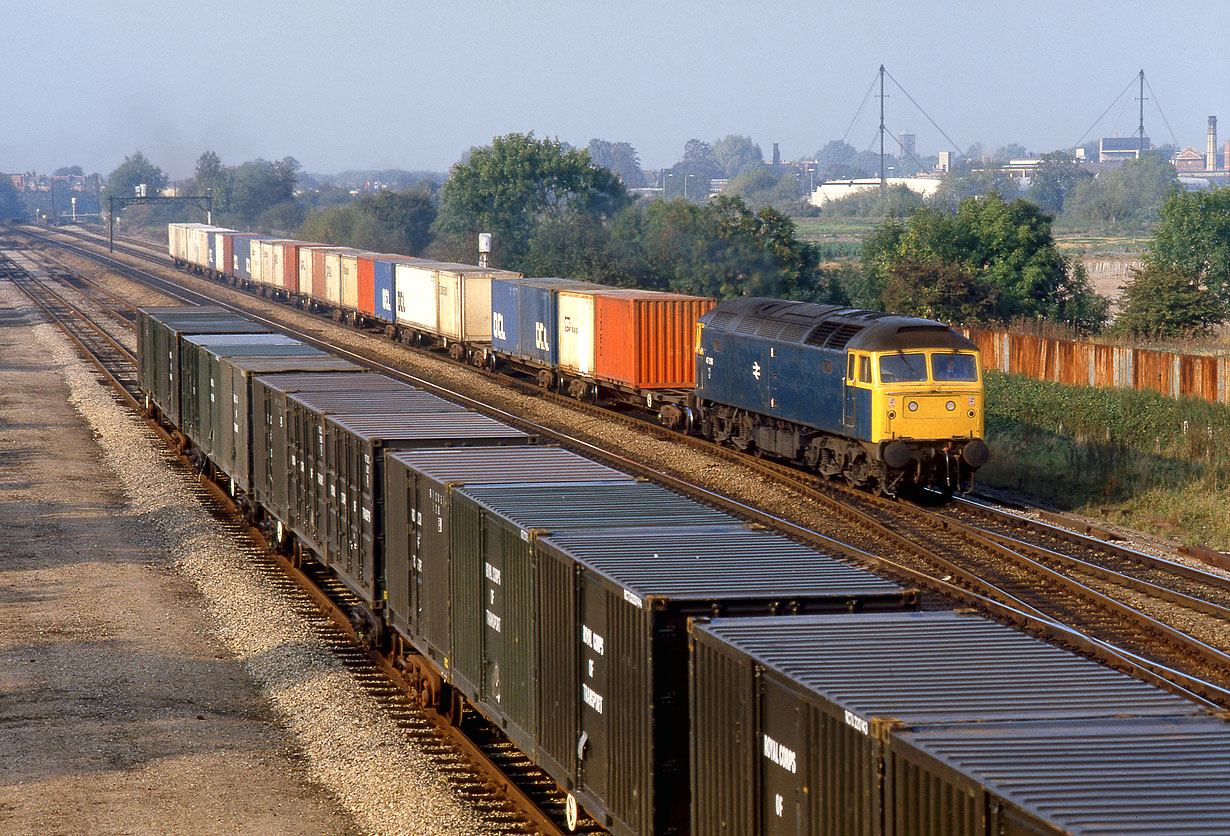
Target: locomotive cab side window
x,y
959,367
864,370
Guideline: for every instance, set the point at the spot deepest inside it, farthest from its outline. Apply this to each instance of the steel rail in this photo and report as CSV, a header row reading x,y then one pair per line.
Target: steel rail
x,y
990,598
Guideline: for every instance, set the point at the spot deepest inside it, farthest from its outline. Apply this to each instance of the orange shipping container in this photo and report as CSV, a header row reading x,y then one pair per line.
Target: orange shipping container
x,y
646,340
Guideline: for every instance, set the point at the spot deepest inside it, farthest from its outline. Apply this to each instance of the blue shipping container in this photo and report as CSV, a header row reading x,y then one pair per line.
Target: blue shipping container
x,y
215,247
505,317
242,255
526,314
383,278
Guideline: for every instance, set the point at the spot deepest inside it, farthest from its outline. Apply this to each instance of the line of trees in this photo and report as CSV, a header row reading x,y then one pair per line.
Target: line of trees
x,y
553,210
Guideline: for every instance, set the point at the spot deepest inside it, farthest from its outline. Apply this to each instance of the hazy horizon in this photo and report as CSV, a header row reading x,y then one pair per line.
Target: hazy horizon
x,y
413,86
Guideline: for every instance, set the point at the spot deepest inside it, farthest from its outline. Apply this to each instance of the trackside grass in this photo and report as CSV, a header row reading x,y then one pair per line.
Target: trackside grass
x,y
1147,461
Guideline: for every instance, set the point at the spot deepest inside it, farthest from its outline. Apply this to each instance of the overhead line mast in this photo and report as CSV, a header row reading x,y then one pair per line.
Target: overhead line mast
x,y
1141,129
882,184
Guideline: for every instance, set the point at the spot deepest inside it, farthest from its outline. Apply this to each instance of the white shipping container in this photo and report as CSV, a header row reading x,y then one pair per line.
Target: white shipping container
x,y
305,270
576,332
175,234
417,296
277,264
190,243
333,278
464,304
266,273
350,280
198,244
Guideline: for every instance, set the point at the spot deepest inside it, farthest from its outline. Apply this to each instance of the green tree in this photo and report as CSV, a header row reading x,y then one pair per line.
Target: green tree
x,y
944,290
210,178
1011,151
1193,239
619,157
765,186
1161,302
259,185
1131,193
407,214
10,201
699,159
69,170
1006,246
510,186
1055,179
966,182
833,159
737,155
136,170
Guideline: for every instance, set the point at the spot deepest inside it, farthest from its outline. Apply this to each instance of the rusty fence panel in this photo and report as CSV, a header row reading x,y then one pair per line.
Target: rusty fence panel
x,y
1105,366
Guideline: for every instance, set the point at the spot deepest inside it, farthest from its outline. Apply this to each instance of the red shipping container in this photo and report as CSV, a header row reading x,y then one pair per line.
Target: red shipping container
x,y
290,264
646,340
367,278
226,262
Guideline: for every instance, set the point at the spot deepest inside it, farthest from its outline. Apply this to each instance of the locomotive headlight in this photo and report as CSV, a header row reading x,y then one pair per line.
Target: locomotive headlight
x,y
950,406
912,406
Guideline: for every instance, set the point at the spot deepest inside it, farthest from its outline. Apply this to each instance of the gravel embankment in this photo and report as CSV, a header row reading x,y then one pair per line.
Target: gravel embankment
x,y
348,744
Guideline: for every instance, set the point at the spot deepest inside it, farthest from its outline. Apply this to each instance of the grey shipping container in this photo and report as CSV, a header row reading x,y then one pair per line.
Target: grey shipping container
x,y
1145,777
235,442
418,511
797,710
353,488
162,350
145,316
277,468
306,415
199,376
569,609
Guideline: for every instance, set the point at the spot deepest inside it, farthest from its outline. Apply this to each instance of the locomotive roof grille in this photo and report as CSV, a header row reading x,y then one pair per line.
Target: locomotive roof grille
x,y
830,327
843,336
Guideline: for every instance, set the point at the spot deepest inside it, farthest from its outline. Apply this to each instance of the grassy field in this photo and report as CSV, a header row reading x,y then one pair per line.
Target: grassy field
x,y
835,230
1146,461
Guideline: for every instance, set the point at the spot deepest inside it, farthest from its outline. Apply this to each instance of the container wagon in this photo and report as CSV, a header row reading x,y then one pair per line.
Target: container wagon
x,y
794,721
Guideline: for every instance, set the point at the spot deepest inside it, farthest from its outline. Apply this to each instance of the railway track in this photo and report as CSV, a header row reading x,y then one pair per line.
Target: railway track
x,y
1074,593
509,793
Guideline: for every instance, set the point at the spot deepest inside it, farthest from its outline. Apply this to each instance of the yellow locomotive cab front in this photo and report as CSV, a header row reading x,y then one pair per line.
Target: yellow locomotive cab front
x,y
927,395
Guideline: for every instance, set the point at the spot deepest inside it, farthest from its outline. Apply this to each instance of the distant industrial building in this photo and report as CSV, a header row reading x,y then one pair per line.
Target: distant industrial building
x,y
1189,159
1116,149
837,189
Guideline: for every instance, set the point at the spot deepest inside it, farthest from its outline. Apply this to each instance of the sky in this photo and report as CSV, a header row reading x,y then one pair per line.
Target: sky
x,y
413,85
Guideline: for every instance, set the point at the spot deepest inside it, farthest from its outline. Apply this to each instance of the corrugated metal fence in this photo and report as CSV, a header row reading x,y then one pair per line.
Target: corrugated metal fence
x,y
1086,364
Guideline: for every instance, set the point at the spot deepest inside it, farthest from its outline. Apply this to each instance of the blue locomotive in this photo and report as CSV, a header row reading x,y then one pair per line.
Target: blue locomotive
x,y
887,402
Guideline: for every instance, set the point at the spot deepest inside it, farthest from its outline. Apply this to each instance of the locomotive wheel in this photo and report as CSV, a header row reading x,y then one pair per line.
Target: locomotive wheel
x,y
744,434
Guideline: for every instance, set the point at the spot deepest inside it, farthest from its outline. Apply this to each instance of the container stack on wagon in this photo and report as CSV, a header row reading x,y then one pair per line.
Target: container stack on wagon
x,y
842,725
656,657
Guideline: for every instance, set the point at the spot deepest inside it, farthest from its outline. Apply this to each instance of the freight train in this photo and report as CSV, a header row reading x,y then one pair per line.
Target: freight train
x,y
671,669
888,403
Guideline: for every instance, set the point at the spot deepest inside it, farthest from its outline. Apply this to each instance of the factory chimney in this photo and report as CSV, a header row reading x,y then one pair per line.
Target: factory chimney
x,y
777,155
1212,147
